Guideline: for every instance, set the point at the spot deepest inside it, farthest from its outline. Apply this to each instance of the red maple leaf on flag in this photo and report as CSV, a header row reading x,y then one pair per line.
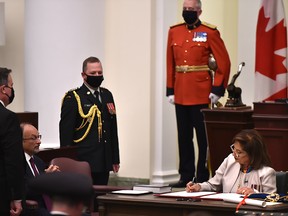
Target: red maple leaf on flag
x,y
271,52
267,43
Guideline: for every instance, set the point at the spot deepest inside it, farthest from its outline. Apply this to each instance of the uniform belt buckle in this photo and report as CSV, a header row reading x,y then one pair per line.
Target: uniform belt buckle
x,y
184,68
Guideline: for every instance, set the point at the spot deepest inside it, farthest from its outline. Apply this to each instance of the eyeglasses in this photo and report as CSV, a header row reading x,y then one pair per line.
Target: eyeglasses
x,y
6,86
237,152
34,138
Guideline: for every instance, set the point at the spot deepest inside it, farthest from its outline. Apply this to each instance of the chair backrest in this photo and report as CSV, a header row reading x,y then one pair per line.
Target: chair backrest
x,y
71,165
82,167
282,182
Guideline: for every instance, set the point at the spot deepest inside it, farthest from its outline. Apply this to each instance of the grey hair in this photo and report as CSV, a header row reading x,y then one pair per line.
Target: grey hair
x,y
199,3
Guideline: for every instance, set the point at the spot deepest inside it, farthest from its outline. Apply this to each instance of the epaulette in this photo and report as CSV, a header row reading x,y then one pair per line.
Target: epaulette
x,y
68,93
209,25
103,88
74,89
178,24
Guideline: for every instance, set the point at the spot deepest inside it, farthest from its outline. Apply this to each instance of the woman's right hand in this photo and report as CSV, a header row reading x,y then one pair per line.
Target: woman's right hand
x,y
192,187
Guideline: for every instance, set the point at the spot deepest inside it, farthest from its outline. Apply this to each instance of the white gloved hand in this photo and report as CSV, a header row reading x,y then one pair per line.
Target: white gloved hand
x,y
214,98
171,99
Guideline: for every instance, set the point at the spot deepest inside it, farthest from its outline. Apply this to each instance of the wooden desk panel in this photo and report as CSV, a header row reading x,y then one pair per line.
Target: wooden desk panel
x,y
271,120
149,205
270,108
30,117
48,154
277,144
221,126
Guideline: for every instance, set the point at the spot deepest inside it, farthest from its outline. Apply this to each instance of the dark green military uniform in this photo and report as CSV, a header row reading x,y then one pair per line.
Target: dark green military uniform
x,y
97,144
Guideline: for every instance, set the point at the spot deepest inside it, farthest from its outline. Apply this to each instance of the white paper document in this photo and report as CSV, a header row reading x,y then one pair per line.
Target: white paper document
x,y
130,192
248,201
237,198
227,197
222,196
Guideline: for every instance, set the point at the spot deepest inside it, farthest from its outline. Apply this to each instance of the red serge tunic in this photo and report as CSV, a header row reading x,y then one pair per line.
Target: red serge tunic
x,y
193,48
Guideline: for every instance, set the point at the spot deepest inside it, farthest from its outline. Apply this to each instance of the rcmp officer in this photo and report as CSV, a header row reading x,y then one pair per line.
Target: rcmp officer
x,y
88,121
190,86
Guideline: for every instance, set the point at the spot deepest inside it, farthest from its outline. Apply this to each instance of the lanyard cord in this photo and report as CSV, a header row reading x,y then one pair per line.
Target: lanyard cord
x,y
241,203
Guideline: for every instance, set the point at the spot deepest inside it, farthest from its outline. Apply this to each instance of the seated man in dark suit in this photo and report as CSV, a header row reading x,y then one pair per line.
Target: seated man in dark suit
x,y
70,192
34,167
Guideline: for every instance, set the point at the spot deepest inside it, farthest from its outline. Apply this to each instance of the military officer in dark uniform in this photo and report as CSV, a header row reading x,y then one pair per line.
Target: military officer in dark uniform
x,y
190,85
88,121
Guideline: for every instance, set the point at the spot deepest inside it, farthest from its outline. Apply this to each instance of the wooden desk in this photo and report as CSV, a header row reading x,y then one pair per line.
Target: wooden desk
x,y
125,205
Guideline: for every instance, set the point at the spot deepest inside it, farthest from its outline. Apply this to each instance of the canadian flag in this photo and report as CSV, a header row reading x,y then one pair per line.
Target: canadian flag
x,y
271,52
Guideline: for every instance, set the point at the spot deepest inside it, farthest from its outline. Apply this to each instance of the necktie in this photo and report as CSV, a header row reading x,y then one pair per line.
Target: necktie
x,y
36,173
46,199
98,102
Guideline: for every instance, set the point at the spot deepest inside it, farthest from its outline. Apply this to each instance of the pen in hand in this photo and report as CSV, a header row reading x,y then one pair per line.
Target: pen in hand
x,y
192,186
193,180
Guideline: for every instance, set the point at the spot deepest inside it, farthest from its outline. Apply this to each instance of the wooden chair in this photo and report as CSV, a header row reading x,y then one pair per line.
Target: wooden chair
x,y
70,165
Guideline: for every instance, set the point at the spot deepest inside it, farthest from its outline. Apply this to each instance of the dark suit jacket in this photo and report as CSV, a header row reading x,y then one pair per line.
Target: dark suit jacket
x,y
11,159
99,154
41,166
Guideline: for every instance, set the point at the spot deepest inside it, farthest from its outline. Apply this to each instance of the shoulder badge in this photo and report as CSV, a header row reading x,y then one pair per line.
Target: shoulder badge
x,y
209,25
178,24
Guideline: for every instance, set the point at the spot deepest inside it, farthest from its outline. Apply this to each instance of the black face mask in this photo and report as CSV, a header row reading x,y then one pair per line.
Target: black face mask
x,y
12,96
94,81
190,17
